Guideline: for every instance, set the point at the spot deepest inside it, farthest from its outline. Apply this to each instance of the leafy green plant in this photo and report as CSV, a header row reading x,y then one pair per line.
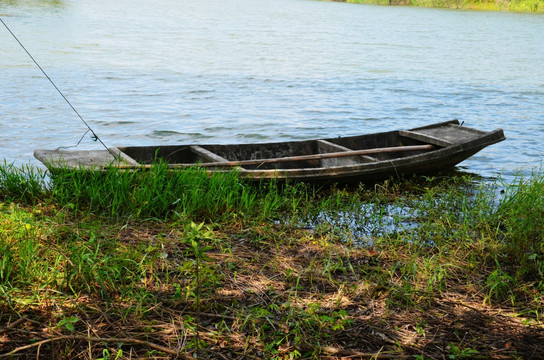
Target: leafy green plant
x,y
68,323
195,235
107,356
499,284
462,353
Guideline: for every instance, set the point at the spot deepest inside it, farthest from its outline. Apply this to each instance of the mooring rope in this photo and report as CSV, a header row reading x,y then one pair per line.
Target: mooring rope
x,y
94,137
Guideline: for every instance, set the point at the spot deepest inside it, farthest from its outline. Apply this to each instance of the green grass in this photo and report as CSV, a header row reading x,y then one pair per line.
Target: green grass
x,y
159,263
519,219
162,193
26,183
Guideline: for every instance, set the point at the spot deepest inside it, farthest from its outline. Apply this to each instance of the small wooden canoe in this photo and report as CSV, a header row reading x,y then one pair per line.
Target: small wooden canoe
x,y
420,150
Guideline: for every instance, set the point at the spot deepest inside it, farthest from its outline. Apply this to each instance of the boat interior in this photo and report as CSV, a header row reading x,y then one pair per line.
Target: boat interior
x,y
218,154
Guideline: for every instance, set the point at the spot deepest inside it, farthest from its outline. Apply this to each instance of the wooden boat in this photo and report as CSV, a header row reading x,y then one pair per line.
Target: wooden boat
x,y
420,150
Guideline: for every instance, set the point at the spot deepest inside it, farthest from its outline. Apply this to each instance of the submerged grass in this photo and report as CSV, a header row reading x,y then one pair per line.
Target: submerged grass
x,y
166,264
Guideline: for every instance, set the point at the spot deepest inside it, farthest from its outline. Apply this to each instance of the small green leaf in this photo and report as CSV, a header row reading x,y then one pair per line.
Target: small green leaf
x,y
68,323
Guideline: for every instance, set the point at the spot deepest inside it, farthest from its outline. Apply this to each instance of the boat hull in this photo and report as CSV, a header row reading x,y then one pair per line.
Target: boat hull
x,y
422,150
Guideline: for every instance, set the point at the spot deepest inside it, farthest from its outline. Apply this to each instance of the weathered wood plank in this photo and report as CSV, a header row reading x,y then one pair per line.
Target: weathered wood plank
x,y
207,155
122,156
424,137
327,146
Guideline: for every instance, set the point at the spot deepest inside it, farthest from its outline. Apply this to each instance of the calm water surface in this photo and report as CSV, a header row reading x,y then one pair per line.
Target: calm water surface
x,y
181,71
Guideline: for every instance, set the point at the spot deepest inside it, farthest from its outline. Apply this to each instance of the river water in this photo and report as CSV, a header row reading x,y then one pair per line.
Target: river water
x,y
185,71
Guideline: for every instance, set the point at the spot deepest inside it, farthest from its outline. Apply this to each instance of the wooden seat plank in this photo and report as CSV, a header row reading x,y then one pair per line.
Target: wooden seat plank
x,y
122,156
332,147
207,155
425,138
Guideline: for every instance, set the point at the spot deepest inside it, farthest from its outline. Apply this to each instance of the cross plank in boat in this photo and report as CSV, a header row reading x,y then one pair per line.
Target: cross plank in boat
x,y
425,138
122,156
332,147
207,155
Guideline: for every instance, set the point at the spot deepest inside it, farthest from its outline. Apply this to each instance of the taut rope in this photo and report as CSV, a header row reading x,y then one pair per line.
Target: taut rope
x,y
94,136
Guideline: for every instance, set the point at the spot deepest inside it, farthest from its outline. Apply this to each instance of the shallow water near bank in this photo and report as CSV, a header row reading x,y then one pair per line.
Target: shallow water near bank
x,y
417,209
185,72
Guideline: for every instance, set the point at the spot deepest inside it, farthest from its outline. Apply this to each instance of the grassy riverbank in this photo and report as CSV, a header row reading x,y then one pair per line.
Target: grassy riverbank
x,y
159,264
493,5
